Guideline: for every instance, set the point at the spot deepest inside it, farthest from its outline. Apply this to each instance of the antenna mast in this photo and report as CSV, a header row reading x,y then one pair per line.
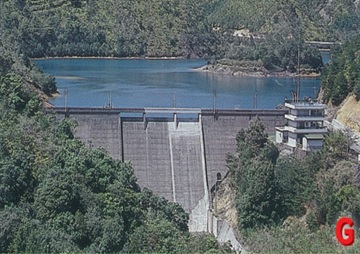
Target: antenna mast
x,y
297,96
298,76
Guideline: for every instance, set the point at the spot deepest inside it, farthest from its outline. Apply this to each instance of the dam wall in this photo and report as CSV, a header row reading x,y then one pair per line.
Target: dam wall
x,y
168,159
177,157
147,148
220,132
189,172
100,130
188,165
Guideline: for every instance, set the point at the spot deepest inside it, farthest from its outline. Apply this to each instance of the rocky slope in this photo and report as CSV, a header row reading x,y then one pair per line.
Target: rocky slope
x,y
349,113
224,205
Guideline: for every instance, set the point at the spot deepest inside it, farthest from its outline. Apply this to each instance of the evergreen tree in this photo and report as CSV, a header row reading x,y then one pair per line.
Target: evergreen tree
x,y
254,177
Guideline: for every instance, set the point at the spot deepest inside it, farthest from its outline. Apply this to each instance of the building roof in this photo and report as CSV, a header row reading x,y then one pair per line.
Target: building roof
x,y
304,105
314,136
282,128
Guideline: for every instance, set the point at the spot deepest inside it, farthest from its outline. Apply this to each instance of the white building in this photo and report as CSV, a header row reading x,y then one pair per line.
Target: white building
x,y
305,125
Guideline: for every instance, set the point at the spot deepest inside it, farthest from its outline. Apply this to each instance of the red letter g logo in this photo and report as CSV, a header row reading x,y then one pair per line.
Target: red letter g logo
x,y
347,232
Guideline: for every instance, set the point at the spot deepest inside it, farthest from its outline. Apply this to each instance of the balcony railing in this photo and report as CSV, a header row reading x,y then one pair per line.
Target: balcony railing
x,y
307,114
302,102
306,130
304,105
309,127
304,118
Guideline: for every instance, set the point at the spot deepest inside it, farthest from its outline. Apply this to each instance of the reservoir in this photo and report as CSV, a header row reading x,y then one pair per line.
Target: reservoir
x,y
164,83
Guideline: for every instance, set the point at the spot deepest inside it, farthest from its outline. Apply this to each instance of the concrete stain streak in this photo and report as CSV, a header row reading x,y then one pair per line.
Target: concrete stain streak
x,y
172,169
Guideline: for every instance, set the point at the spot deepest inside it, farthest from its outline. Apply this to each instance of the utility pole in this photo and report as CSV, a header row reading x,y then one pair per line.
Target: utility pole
x,y
174,101
214,102
65,100
110,100
255,100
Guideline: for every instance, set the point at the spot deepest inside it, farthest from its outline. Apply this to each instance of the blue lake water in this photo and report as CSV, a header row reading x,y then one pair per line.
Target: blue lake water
x,y
155,83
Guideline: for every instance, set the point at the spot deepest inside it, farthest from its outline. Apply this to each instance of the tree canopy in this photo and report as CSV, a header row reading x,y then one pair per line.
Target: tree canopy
x,y
57,195
283,201
341,76
254,177
185,28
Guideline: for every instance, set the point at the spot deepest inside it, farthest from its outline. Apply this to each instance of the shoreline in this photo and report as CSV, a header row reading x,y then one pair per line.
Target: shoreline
x,y
229,71
113,58
215,69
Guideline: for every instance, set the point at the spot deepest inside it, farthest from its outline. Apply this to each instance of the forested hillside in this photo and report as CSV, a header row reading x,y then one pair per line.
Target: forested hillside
x,y
341,77
107,28
269,34
186,28
316,20
287,205
34,79
56,195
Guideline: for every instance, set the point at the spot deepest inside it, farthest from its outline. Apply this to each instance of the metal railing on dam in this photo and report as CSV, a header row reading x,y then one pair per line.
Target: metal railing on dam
x,y
90,110
178,153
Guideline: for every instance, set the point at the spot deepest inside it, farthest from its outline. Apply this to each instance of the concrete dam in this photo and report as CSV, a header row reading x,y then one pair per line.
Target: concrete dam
x,y
178,153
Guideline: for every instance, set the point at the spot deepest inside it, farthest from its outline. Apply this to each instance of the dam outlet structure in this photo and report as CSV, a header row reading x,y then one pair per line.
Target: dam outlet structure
x,y
178,153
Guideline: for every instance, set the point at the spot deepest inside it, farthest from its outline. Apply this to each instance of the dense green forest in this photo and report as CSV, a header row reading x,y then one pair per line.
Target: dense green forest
x,y
279,29
33,79
56,195
187,28
106,28
287,205
341,77
313,19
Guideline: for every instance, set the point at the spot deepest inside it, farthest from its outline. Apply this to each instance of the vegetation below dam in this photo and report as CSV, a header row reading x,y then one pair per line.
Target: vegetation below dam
x,y
57,195
282,202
